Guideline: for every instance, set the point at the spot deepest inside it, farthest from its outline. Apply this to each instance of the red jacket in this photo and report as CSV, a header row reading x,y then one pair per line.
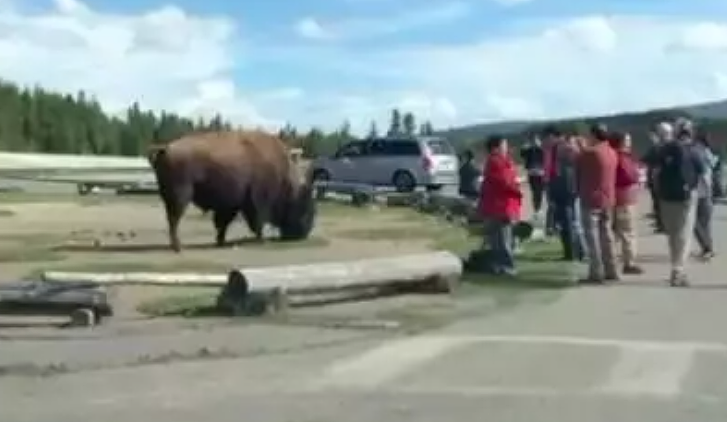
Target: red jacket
x,y
597,176
627,179
500,195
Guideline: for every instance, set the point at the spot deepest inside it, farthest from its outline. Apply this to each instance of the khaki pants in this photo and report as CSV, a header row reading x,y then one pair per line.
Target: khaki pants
x,y
679,219
624,227
600,241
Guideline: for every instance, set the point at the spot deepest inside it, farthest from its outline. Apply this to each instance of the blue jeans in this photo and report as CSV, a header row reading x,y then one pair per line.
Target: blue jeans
x,y
499,238
566,215
551,223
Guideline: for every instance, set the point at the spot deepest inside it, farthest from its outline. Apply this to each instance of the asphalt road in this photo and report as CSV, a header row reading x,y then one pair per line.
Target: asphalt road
x,y
636,351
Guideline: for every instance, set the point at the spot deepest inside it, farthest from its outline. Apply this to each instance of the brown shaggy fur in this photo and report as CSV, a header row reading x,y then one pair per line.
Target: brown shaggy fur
x,y
247,172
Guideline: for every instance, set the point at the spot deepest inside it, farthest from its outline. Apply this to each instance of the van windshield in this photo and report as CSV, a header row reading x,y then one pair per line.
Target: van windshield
x,y
440,147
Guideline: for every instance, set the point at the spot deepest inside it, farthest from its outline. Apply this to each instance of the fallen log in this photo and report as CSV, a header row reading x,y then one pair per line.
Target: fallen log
x,y
85,303
428,272
138,278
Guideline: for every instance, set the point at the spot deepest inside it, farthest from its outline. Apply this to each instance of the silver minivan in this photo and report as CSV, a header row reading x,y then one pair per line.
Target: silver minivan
x,y
402,162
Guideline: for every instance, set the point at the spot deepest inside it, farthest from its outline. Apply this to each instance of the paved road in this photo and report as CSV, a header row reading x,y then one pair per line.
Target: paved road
x,y
638,351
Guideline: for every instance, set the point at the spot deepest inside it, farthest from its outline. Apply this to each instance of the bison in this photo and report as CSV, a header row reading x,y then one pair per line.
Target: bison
x,y
231,173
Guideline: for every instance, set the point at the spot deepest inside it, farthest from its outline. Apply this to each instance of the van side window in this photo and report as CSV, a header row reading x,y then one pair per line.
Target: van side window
x,y
394,147
353,149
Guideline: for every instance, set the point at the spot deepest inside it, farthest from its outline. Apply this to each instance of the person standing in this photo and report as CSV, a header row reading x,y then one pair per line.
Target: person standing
x,y
552,136
500,204
677,177
663,132
533,159
627,192
469,176
596,168
705,198
562,190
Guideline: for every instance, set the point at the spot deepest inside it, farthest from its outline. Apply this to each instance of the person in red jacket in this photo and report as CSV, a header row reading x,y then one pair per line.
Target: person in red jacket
x,y
627,192
596,181
500,204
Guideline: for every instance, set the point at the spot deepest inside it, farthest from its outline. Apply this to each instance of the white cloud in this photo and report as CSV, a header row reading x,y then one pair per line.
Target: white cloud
x,y
592,64
707,36
167,58
310,28
164,58
360,28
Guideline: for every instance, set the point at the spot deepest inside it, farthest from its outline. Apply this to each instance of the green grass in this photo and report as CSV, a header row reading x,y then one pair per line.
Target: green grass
x,y
539,282
538,265
180,305
394,233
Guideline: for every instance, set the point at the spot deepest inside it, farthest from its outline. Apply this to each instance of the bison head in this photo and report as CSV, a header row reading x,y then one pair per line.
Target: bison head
x,y
297,219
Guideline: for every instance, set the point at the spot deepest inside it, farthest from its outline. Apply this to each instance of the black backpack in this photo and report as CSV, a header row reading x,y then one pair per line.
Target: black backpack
x,y
678,172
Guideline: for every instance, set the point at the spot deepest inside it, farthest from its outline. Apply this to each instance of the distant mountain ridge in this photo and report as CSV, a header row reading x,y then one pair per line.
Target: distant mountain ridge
x,y
712,114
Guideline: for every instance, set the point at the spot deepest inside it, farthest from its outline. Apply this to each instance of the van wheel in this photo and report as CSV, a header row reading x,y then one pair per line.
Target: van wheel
x,y
404,181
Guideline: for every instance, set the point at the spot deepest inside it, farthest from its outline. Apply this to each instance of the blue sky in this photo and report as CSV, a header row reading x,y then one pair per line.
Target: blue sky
x,y
319,62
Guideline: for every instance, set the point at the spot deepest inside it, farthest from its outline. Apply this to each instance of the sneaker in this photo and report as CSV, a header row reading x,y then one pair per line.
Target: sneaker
x,y
633,270
706,255
678,280
612,278
592,280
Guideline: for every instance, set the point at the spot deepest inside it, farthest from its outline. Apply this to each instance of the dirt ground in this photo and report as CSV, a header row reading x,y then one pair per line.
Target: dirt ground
x,y
111,233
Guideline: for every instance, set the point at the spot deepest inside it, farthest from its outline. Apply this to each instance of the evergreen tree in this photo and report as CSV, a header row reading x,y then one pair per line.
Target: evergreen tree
x,y
373,130
426,129
395,125
409,123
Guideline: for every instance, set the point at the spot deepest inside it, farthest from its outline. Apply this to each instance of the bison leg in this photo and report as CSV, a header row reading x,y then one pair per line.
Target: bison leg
x,y
222,221
175,204
254,222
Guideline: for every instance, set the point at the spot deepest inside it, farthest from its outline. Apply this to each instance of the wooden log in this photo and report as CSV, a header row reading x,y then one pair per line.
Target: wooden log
x,y
44,298
428,272
139,278
433,268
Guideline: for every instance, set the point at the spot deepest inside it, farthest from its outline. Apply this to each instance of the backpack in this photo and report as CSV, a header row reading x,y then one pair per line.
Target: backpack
x,y
678,173
563,185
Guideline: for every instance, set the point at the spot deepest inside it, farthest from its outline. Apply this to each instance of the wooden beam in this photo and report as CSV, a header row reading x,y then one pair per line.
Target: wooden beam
x,y
426,272
139,278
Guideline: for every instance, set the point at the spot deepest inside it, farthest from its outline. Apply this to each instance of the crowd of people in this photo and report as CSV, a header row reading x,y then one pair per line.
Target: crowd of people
x,y
586,188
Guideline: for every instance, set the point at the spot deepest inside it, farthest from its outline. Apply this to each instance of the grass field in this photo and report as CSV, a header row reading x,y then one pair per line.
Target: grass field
x,y
107,233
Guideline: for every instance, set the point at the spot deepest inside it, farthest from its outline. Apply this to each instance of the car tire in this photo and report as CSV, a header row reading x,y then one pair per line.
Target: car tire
x,y
404,181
